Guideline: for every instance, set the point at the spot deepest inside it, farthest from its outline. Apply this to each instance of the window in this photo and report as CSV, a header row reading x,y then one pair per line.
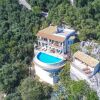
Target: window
x,y
45,39
39,43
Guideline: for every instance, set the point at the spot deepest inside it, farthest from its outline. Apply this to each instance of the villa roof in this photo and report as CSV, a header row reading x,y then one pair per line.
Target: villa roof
x,y
49,30
48,33
86,59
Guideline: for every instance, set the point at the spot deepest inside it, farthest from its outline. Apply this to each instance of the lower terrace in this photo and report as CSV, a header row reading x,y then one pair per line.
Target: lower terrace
x,y
51,49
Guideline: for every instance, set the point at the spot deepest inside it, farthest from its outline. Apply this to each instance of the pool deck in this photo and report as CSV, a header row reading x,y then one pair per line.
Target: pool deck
x,y
50,53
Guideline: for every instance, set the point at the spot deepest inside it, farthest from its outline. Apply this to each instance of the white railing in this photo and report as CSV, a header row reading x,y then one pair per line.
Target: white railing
x,y
43,41
56,54
75,66
49,65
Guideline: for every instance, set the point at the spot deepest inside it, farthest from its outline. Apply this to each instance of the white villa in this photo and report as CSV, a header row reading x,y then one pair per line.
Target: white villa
x,y
51,50
85,67
56,40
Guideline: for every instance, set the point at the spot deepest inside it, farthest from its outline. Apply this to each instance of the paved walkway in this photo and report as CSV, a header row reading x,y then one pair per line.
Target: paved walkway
x,y
2,95
24,3
32,71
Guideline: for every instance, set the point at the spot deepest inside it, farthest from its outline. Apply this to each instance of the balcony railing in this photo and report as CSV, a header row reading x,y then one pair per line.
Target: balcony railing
x,y
77,67
50,43
51,65
42,41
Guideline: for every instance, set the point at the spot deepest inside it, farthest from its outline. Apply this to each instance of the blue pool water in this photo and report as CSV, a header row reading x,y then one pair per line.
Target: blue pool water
x,y
46,58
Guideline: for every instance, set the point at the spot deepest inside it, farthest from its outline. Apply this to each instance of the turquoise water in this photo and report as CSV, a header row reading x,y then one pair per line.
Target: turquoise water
x,y
46,58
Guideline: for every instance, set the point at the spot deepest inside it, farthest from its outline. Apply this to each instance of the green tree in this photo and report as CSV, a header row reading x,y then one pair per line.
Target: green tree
x,y
11,75
73,90
13,96
34,90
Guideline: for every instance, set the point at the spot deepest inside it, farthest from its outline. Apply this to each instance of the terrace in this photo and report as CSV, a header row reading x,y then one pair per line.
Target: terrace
x,y
85,63
54,48
84,69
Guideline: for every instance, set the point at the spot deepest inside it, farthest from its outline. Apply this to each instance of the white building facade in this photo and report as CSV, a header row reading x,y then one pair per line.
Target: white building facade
x,y
86,68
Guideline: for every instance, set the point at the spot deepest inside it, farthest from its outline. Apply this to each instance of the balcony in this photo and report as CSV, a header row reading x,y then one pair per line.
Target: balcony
x,y
42,41
86,71
50,50
51,43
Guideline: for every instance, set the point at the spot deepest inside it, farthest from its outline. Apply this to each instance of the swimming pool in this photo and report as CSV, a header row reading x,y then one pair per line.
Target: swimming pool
x,y
46,58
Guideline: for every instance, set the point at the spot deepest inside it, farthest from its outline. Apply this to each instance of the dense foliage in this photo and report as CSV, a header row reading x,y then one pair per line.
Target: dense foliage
x,y
34,90
18,26
17,36
31,90
69,89
11,75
